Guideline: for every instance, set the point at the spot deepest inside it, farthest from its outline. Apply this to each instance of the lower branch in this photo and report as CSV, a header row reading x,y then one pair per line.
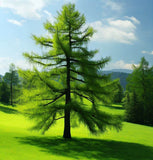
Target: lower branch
x,y
82,96
59,118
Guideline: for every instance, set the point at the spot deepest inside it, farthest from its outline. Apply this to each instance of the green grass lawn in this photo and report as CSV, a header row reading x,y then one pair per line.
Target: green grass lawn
x,y
134,142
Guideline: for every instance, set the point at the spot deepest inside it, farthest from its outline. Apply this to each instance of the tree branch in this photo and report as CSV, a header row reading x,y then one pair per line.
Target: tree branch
x,y
88,98
80,39
61,66
53,89
71,59
59,118
55,99
43,41
80,80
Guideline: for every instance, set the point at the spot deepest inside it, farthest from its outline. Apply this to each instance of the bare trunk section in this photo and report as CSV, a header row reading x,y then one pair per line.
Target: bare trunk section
x,y
67,132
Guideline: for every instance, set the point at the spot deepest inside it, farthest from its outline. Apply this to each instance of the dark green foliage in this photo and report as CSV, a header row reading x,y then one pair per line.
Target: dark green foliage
x,y
4,92
140,86
118,94
12,80
69,77
134,108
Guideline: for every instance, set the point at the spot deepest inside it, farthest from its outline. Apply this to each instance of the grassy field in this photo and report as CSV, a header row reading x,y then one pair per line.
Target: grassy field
x,y
134,142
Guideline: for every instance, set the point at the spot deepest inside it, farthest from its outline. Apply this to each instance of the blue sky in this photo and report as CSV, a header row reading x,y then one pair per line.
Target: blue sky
x,y
124,29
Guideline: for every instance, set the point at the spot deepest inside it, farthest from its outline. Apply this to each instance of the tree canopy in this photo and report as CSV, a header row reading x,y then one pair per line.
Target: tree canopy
x,y
68,85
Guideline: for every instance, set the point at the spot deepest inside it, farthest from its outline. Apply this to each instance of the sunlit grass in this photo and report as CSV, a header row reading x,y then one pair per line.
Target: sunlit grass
x,y
18,143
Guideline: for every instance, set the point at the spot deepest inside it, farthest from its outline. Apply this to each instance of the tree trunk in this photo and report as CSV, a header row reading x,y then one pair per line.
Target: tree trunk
x,y
67,125
67,132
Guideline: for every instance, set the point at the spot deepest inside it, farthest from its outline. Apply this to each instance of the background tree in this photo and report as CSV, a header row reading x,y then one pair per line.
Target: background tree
x,y
69,77
4,92
118,95
133,108
141,86
12,79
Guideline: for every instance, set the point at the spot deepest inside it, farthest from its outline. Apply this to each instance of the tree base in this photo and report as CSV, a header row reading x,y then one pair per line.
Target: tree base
x,y
67,136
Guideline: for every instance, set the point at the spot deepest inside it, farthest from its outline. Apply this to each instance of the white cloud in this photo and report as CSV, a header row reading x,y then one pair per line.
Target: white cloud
x,y
119,65
151,52
112,5
136,21
147,52
25,8
23,64
122,31
6,61
144,52
50,16
124,25
13,21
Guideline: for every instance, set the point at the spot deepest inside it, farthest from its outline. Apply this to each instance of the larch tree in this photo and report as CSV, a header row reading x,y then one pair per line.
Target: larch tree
x,y
69,77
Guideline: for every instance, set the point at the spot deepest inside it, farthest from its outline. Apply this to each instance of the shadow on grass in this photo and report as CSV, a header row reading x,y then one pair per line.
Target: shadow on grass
x,y
97,149
114,107
8,110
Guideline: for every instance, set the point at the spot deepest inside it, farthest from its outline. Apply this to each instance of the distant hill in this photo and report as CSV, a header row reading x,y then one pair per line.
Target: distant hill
x,y
120,74
122,70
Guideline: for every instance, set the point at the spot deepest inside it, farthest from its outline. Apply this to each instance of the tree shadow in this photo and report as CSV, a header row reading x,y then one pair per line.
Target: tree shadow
x,y
8,110
114,107
97,149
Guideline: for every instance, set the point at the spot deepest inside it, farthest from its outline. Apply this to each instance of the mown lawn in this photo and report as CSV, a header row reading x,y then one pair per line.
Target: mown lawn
x,y
134,142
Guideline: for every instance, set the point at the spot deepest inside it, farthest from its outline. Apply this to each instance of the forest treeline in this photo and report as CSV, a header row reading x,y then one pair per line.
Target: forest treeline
x,y
134,91
5,84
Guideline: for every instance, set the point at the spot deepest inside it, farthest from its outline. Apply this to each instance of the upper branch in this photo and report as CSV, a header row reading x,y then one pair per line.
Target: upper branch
x,y
43,41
